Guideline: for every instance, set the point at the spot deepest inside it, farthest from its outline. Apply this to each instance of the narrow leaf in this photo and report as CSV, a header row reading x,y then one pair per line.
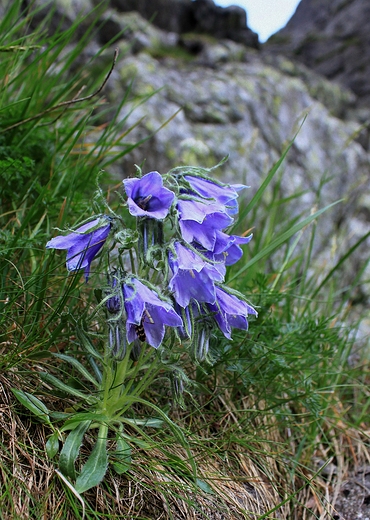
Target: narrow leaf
x,y
86,343
95,468
71,422
151,422
33,404
71,448
57,383
122,455
52,445
204,486
78,366
281,239
176,430
71,487
258,195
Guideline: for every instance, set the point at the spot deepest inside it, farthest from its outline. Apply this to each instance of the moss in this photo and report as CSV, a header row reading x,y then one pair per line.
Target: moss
x,y
279,39
170,51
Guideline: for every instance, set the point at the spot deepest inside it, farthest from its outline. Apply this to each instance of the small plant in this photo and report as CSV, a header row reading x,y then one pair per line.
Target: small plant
x,y
164,288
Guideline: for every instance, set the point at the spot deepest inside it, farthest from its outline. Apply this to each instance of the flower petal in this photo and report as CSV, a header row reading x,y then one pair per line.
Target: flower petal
x,y
147,197
145,308
193,277
230,312
82,247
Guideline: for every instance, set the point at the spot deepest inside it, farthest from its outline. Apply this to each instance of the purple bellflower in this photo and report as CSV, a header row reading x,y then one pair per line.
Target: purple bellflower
x,y
147,314
235,252
147,197
230,312
227,247
83,244
193,277
225,195
227,250
200,221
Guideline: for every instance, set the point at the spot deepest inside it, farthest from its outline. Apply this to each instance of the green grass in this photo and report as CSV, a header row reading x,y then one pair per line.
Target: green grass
x,y
257,418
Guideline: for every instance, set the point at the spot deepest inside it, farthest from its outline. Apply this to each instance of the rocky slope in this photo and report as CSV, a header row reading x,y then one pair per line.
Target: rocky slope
x,y
231,100
332,38
200,16
211,98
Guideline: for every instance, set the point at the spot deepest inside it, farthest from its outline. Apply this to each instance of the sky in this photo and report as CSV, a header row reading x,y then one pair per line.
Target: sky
x,y
264,17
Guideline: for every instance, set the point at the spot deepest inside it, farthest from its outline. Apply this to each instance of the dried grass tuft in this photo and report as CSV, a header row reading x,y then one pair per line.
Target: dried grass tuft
x,y
242,476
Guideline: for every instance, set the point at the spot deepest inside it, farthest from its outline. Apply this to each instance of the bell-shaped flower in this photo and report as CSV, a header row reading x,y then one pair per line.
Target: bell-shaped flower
x,y
227,247
235,252
147,197
83,244
225,194
230,312
193,277
200,221
147,314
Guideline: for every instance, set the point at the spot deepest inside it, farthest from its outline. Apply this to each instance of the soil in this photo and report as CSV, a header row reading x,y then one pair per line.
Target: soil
x,y
353,502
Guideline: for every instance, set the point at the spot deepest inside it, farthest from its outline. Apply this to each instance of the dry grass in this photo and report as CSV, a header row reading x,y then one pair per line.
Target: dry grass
x,y
245,476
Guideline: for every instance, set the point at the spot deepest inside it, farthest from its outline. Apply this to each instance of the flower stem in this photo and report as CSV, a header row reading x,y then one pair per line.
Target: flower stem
x,y
123,402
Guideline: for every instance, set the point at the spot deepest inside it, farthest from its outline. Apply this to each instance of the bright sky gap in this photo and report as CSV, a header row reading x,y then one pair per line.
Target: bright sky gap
x,y
265,17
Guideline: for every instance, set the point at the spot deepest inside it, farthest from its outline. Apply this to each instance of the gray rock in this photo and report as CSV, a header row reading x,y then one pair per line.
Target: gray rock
x,y
332,38
225,98
59,15
242,106
201,16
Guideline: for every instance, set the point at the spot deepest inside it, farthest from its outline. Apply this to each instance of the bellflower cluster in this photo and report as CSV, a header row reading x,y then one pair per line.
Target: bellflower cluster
x,y
205,208
167,248
178,260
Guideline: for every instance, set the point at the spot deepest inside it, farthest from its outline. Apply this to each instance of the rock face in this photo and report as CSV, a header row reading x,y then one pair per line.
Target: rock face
x,y
194,100
332,38
200,16
231,100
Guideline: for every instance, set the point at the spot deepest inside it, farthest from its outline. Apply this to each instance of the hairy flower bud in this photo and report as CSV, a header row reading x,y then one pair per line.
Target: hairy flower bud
x,y
202,344
117,341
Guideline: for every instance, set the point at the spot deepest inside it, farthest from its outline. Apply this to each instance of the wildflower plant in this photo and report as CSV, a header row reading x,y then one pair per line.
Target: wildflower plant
x,y
163,296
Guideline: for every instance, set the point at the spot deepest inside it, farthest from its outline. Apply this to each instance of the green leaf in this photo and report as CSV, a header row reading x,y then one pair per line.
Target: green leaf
x,y
78,366
176,430
86,343
71,448
57,383
70,423
258,195
95,468
135,440
33,404
151,422
60,416
41,354
204,486
52,445
122,455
